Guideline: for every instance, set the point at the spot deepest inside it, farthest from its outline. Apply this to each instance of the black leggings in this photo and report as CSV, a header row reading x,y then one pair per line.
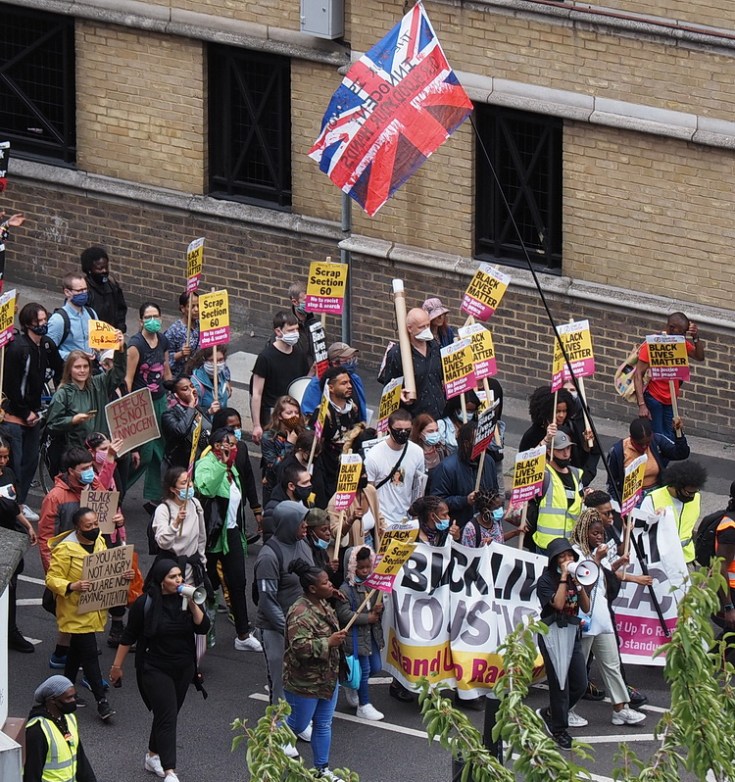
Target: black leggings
x,y
83,651
233,566
165,691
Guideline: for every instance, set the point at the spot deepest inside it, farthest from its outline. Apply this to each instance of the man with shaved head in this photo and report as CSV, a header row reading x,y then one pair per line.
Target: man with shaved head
x,y
427,367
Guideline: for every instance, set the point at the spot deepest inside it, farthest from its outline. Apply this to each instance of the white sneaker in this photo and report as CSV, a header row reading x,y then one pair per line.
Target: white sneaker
x,y
153,764
369,712
249,644
627,716
305,734
325,773
290,751
351,696
171,777
574,720
31,515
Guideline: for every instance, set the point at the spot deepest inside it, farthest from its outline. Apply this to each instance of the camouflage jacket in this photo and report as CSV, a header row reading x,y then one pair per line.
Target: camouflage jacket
x,y
310,667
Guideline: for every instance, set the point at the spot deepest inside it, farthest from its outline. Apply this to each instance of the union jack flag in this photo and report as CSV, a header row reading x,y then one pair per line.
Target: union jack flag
x,y
397,104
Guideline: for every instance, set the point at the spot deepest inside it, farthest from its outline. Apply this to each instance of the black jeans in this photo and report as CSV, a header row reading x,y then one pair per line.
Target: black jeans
x,y
83,651
233,566
561,700
166,691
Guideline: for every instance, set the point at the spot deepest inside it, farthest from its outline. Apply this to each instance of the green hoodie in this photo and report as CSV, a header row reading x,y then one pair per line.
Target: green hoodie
x,y
210,480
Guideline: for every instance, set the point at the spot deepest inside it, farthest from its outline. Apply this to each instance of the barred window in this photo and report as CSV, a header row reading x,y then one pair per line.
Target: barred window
x,y
526,152
249,126
37,90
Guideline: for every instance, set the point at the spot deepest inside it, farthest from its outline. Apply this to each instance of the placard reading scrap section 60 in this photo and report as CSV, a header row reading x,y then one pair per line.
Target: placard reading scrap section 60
x,y
325,288
214,319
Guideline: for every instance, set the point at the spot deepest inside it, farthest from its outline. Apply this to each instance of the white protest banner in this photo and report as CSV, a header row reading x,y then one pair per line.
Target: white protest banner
x,y
638,625
450,610
132,419
106,569
104,504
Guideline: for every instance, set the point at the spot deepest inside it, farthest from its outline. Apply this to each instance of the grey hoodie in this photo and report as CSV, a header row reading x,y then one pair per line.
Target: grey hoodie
x,y
278,589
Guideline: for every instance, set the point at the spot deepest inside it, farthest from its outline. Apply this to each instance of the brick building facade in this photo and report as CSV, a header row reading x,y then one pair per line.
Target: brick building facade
x,y
629,212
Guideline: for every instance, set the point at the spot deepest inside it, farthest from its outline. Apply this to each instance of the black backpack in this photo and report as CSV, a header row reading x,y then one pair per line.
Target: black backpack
x,y
704,542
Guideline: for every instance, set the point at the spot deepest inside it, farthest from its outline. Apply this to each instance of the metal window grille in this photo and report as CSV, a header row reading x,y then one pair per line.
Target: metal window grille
x,y
250,126
37,89
526,152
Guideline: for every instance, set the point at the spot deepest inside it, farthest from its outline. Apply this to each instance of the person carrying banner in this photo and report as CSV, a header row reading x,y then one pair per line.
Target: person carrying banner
x,y
179,350
427,367
53,749
311,662
339,354
276,367
27,360
435,525
643,440
682,492
165,658
561,598
366,637
342,416
598,636
554,514
455,480
105,296
278,439
654,398
201,366
68,327
395,467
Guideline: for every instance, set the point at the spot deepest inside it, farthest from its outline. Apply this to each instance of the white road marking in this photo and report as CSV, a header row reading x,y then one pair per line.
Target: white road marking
x,y
31,580
28,601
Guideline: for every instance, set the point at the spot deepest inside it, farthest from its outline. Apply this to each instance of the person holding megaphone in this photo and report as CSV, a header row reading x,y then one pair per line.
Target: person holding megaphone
x,y
163,622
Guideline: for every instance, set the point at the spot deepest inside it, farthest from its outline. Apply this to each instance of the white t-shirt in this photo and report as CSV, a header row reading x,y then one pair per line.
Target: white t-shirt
x,y
396,494
232,508
599,609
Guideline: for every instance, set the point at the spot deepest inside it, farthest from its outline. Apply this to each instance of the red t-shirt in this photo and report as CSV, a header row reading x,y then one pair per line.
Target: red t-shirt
x,y
659,389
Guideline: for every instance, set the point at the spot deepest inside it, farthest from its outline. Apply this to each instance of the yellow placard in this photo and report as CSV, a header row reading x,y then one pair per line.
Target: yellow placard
x,y
390,401
326,287
458,367
102,336
484,292
633,483
528,475
7,314
350,469
194,264
214,319
197,433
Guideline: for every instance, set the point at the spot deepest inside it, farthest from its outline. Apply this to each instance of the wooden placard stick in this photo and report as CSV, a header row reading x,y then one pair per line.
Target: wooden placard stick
x,y
188,319
491,396
553,420
360,608
580,381
674,406
340,522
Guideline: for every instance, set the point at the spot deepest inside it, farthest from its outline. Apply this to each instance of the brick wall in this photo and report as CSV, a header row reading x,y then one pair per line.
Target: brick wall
x,y
717,13
140,106
147,248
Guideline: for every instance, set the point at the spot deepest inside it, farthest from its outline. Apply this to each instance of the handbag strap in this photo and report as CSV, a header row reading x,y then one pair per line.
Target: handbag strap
x,y
395,468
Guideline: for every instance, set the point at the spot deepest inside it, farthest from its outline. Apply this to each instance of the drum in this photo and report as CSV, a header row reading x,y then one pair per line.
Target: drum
x,y
298,387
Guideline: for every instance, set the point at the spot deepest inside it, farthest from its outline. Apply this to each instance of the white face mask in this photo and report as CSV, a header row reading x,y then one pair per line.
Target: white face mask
x,y
290,337
425,335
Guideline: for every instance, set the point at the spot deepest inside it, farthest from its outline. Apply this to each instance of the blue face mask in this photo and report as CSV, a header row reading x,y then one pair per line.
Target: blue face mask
x,y
322,544
442,524
238,434
80,299
498,514
87,476
432,438
358,580
186,494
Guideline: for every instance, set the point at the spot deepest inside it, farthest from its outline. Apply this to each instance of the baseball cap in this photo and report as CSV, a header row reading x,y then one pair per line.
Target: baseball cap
x,y
562,440
340,350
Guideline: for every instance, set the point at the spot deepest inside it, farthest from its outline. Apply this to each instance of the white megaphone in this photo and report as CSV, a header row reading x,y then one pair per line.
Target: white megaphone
x,y
587,571
197,594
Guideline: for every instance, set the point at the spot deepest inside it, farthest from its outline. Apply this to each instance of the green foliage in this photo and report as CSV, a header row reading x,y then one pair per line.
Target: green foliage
x,y
265,757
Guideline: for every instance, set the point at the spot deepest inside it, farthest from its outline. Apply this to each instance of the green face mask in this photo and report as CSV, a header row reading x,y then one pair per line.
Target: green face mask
x,y
152,325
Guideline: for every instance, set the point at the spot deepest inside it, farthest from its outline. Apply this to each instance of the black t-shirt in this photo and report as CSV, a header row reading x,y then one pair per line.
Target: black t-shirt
x,y
278,370
546,589
567,480
151,363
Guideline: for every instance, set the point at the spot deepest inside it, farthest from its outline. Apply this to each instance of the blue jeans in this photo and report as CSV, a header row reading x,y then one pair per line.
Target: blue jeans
x,y
319,712
662,416
25,445
370,665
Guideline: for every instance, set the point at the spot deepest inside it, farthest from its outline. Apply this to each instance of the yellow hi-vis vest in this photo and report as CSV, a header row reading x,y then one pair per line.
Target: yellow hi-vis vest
x,y
61,757
555,519
686,521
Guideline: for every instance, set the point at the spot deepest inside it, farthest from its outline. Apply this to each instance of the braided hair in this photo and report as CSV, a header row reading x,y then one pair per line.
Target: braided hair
x,y
580,533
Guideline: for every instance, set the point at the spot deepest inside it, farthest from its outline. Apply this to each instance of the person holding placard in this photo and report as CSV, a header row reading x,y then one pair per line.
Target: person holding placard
x,y
148,367
297,297
78,406
201,366
105,296
654,399
64,579
427,367
339,354
682,492
180,349
179,421
27,360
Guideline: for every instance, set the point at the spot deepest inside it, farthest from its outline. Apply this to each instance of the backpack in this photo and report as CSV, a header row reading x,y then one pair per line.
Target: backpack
x,y
623,380
153,548
67,323
704,542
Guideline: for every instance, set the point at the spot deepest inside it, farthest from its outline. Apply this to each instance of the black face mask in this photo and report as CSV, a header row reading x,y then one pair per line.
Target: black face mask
x,y
683,497
362,482
66,707
562,463
92,534
100,278
400,435
302,492
41,331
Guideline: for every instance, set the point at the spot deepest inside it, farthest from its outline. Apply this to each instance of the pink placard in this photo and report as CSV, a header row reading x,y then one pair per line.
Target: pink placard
x,y
218,336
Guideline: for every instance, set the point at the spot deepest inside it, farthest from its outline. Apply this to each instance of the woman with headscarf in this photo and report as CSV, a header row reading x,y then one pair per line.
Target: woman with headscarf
x,y
162,623
52,735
